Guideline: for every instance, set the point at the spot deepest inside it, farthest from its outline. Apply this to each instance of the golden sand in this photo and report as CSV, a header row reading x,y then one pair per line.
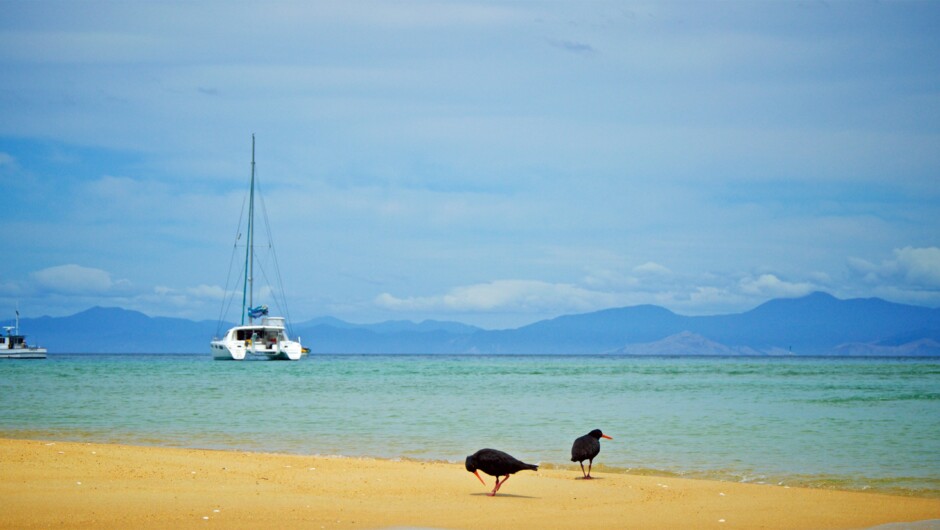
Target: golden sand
x,y
79,485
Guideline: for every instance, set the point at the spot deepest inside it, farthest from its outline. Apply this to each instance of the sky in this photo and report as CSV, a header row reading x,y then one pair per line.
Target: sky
x,y
488,162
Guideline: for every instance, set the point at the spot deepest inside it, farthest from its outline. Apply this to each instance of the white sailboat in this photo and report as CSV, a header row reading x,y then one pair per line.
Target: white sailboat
x,y
267,339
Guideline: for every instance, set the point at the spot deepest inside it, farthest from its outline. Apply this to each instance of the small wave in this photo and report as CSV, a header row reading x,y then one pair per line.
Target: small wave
x,y
902,486
846,400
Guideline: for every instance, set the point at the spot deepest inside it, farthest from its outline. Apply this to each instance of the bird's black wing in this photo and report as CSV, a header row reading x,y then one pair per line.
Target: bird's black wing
x,y
585,448
493,459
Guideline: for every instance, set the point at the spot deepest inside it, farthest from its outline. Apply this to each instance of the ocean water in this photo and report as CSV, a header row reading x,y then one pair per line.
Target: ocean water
x,y
864,424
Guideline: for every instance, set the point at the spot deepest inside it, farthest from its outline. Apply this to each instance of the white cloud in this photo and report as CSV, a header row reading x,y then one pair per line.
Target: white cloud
x,y
685,293
914,268
919,266
75,279
211,292
771,286
652,269
649,283
503,295
200,292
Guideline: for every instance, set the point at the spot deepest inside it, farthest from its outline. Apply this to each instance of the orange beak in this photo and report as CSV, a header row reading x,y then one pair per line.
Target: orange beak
x,y
479,477
605,436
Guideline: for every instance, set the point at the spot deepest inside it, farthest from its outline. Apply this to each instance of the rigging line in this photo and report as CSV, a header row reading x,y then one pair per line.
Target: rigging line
x,y
279,297
227,308
280,285
277,268
231,264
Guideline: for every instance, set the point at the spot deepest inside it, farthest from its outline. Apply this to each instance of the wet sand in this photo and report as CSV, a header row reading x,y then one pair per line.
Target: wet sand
x,y
79,485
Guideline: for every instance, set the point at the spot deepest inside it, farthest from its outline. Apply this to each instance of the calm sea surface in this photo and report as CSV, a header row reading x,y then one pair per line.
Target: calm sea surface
x,y
822,422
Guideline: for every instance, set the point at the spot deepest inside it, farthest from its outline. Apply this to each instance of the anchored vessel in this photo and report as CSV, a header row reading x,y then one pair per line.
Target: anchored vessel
x,y
14,346
267,339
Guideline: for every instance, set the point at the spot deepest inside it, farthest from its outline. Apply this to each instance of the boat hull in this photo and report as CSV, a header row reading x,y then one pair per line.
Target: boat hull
x,y
257,342
21,353
222,351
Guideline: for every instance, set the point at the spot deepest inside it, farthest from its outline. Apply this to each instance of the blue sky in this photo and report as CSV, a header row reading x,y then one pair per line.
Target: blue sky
x,y
494,163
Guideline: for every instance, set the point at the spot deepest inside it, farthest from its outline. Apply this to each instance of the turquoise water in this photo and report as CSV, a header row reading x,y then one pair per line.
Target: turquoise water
x,y
822,422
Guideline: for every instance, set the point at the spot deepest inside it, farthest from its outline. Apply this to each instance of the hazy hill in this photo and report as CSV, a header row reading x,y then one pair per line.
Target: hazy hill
x,y
115,330
817,324
685,343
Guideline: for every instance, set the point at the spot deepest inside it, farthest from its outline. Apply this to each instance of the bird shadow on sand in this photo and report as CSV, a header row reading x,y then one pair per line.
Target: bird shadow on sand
x,y
592,479
510,495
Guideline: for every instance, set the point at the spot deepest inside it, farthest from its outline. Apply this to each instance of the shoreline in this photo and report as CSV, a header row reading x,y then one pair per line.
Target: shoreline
x,y
82,484
821,482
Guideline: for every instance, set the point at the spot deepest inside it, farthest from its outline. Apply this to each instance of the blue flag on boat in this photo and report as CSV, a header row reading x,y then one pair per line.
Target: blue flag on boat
x,y
260,311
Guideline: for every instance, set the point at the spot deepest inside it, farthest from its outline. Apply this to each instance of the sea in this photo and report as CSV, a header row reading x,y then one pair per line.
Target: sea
x,y
844,423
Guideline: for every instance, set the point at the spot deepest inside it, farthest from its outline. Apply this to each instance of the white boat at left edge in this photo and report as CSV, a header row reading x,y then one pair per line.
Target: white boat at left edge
x,y
14,346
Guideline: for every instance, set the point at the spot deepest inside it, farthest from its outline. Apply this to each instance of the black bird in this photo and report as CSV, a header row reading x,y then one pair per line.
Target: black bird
x,y
586,448
497,464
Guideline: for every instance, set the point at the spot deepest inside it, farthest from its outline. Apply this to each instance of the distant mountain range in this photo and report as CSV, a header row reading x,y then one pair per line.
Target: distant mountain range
x,y
817,324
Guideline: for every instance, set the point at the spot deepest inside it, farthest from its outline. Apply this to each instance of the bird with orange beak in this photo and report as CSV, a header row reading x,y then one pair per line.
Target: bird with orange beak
x,y
495,463
586,448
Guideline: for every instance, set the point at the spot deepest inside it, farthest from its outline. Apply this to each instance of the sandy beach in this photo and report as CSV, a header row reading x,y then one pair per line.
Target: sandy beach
x,y
81,485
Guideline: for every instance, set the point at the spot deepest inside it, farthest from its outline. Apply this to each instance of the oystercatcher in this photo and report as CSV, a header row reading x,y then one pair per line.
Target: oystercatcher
x,y
497,464
586,448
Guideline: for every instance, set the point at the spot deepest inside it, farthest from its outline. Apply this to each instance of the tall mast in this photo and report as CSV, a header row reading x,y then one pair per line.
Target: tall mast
x,y
251,231
248,288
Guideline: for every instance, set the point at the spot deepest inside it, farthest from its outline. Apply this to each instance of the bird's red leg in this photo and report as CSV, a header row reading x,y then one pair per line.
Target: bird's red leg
x,y
590,465
493,493
582,470
500,484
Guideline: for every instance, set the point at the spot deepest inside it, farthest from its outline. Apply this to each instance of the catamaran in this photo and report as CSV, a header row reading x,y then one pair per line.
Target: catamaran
x,y
14,346
267,339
